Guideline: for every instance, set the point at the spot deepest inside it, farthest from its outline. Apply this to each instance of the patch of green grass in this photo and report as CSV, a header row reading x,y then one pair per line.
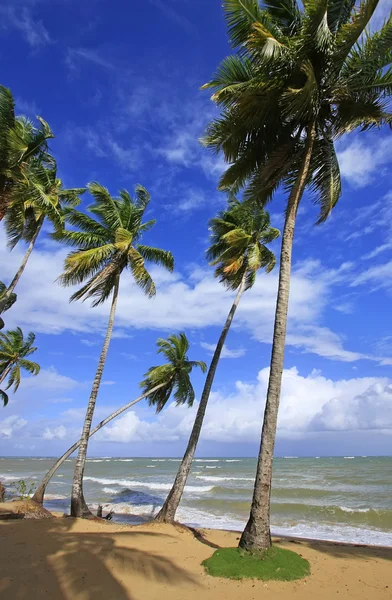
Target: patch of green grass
x,y
274,563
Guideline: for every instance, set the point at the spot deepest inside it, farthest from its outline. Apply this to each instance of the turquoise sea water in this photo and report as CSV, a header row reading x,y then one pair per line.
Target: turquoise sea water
x,y
348,498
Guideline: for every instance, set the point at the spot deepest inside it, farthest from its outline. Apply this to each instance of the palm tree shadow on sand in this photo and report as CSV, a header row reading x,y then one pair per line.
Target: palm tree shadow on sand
x,y
61,564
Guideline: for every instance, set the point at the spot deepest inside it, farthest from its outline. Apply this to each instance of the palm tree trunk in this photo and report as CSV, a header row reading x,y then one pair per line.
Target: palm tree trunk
x,y
40,491
257,533
168,511
4,374
78,505
18,274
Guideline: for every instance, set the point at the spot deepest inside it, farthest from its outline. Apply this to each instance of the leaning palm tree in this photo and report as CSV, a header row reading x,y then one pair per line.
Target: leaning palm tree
x,y
20,142
13,352
304,75
39,196
106,245
158,385
239,236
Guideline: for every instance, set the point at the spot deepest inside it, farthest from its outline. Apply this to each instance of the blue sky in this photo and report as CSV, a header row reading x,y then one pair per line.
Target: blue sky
x,y
119,84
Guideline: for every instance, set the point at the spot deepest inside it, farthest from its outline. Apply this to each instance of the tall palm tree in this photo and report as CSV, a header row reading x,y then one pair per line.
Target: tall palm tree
x,y
158,385
20,142
39,196
239,236
106,245
304,75
13,352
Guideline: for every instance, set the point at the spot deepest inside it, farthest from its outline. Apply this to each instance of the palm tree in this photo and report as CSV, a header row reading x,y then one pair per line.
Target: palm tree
x,y
11,301
13,352
39,196
304,75
162,380
20,142
106,245
238,251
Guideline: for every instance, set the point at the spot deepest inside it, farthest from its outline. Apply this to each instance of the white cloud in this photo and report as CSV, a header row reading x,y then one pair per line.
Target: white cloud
x,y
361,161
60,400
379,275
370,410
74,56
378,250
21,18
194,302
11,424
49,379
57,433
89,342
308,404
226,352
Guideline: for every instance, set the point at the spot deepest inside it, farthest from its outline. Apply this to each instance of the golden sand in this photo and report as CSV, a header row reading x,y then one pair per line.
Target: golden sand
x,y
74,559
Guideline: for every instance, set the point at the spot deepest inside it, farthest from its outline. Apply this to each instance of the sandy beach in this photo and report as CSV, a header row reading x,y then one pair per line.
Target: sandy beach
x,y
73,559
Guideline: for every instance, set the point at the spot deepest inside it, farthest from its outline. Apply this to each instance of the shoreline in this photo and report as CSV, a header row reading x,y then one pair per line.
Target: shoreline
x,y
75,559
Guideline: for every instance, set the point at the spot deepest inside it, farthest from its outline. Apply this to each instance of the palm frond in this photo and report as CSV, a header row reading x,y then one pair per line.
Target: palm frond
x,y
4,397
142,197
339,12
140,273
286,15
240,17
157,256
349,33
326,183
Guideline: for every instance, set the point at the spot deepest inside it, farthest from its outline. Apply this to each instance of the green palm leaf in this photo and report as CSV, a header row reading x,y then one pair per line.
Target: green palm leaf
x,y
238,243
173,376
14,349
105,239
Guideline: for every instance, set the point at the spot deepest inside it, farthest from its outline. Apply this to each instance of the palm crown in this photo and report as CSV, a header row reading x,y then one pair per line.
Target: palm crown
x,y
109,243
174,375
299,72
238,249
37,196
20,141
13,352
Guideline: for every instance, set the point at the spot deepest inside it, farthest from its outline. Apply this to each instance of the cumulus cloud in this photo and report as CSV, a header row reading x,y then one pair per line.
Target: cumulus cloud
x,y
57,433
370,410
308,404
361,161
9,425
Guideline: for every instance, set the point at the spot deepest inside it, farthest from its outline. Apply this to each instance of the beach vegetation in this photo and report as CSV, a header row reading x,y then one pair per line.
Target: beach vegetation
x,y
275,563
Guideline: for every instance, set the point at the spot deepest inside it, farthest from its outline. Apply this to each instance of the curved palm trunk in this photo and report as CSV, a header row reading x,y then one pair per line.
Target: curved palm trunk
x,y
40,491
4,374
168,511
18,274
79,507
257,533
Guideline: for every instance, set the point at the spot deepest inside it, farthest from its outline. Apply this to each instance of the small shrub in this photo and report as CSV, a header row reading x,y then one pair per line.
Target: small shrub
x,y
24,489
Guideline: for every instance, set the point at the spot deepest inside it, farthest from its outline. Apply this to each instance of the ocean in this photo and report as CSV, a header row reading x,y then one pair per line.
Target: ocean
x,y
346,499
